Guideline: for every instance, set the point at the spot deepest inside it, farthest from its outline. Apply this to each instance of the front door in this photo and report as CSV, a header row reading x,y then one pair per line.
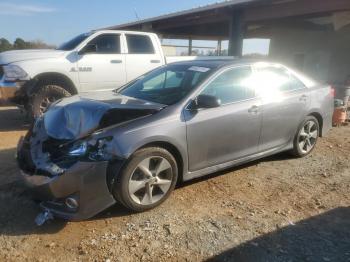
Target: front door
x,y
228,132
102,66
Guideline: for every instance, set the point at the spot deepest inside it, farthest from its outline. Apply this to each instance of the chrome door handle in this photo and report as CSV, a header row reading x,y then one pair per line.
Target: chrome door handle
x,y
116,61
253,110
155,61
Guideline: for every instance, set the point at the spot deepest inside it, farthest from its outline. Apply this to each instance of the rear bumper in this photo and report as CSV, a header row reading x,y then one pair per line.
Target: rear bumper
x,y
86,182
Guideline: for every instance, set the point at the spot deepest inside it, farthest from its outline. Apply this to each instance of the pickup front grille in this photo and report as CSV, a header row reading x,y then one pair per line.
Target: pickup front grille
x,y
1,72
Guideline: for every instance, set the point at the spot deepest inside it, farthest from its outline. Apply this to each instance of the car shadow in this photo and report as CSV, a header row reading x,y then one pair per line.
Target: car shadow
x,y
18,211
11,119
117,210
278,157
325,237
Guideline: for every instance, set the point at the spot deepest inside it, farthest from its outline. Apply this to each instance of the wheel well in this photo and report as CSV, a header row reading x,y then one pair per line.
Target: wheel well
x,y
319,119
174,151
55,78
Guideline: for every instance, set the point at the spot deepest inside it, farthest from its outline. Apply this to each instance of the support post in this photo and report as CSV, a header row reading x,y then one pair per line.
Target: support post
x,y
219,47
236,34
190,46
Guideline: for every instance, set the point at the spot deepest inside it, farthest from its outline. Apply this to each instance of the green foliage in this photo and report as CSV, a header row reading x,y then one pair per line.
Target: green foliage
x,y
5,45
19,43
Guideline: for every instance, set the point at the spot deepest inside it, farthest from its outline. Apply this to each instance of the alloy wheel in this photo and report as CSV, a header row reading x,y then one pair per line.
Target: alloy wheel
x,y
308,137
151,180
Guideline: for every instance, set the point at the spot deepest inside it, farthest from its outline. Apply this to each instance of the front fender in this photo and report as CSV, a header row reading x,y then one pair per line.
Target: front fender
x,y
140,133
40,67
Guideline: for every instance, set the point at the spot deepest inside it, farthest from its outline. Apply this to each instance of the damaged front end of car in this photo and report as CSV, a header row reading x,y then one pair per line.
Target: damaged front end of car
x,y
68,177
65,157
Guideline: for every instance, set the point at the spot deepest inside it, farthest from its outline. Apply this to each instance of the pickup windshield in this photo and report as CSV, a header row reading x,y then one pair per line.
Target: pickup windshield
x,y
73,43
166,85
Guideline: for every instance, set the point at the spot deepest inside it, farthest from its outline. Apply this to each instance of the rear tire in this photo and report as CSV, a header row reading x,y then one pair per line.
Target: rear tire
x,y
45,96
306,138
146,180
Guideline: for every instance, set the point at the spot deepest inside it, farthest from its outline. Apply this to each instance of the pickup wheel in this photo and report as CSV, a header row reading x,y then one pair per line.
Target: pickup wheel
x,y
45,96
146,180
306,137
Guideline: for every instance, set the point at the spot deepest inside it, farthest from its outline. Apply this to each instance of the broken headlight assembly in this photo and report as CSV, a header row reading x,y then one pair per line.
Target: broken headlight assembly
x,y
85,150
79,149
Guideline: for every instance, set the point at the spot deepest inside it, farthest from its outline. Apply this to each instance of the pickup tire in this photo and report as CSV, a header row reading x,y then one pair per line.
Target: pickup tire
x,y
45,96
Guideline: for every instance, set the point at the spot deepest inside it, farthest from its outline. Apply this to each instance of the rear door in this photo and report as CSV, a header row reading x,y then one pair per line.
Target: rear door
x,y
284,101
229,132
142,55
104,68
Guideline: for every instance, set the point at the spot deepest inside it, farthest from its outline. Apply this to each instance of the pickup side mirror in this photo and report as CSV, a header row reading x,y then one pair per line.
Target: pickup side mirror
x,y
88,49
205,101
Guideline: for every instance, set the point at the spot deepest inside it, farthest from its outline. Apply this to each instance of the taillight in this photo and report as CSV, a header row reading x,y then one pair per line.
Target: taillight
x,y
332,92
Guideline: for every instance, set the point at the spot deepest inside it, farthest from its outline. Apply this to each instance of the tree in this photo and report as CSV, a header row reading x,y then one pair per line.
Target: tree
x,y
20,44
5,45
38,44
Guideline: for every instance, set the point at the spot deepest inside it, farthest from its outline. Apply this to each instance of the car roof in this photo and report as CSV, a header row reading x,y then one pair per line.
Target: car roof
x,y
217,63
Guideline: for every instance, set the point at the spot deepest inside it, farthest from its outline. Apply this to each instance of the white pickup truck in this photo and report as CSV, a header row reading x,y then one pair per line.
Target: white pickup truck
x,y
95,61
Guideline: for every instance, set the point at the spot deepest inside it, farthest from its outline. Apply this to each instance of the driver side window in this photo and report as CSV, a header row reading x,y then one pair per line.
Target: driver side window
x,y
233,85
106,44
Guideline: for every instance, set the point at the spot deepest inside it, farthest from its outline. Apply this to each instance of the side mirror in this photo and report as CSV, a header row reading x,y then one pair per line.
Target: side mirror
x,y
205,101
90,48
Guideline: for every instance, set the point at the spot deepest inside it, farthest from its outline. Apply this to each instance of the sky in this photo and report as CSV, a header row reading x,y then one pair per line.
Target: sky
x,y
56,21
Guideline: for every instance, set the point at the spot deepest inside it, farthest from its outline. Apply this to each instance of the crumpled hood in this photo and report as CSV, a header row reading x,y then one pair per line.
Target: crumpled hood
x,y
29,54
78,116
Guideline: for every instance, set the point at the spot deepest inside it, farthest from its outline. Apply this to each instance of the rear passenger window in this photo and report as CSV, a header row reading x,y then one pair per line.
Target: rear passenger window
x,y
295,83
139,44
233,85
277,78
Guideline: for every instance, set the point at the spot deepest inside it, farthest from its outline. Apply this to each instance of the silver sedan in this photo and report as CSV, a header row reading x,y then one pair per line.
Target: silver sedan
x,y
176,123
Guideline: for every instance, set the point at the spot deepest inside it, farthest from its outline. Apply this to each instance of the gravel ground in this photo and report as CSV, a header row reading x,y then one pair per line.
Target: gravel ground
x,y
275,209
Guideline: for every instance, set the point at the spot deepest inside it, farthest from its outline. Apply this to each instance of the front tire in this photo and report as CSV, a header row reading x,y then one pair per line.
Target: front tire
x,y
147,179
306,138
45,96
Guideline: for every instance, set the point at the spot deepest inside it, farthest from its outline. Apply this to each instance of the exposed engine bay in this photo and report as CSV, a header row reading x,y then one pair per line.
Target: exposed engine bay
x,y
57,140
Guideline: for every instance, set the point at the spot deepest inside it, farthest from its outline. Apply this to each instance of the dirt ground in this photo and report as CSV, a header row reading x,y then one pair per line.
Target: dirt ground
x,y
275,209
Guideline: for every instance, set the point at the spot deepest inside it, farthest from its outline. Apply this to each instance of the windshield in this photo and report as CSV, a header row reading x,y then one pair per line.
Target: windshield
x,y
166,85
73,43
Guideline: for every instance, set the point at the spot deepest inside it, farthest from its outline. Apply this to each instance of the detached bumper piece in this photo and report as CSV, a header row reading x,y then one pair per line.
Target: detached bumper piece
x,y
74,192
43,217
